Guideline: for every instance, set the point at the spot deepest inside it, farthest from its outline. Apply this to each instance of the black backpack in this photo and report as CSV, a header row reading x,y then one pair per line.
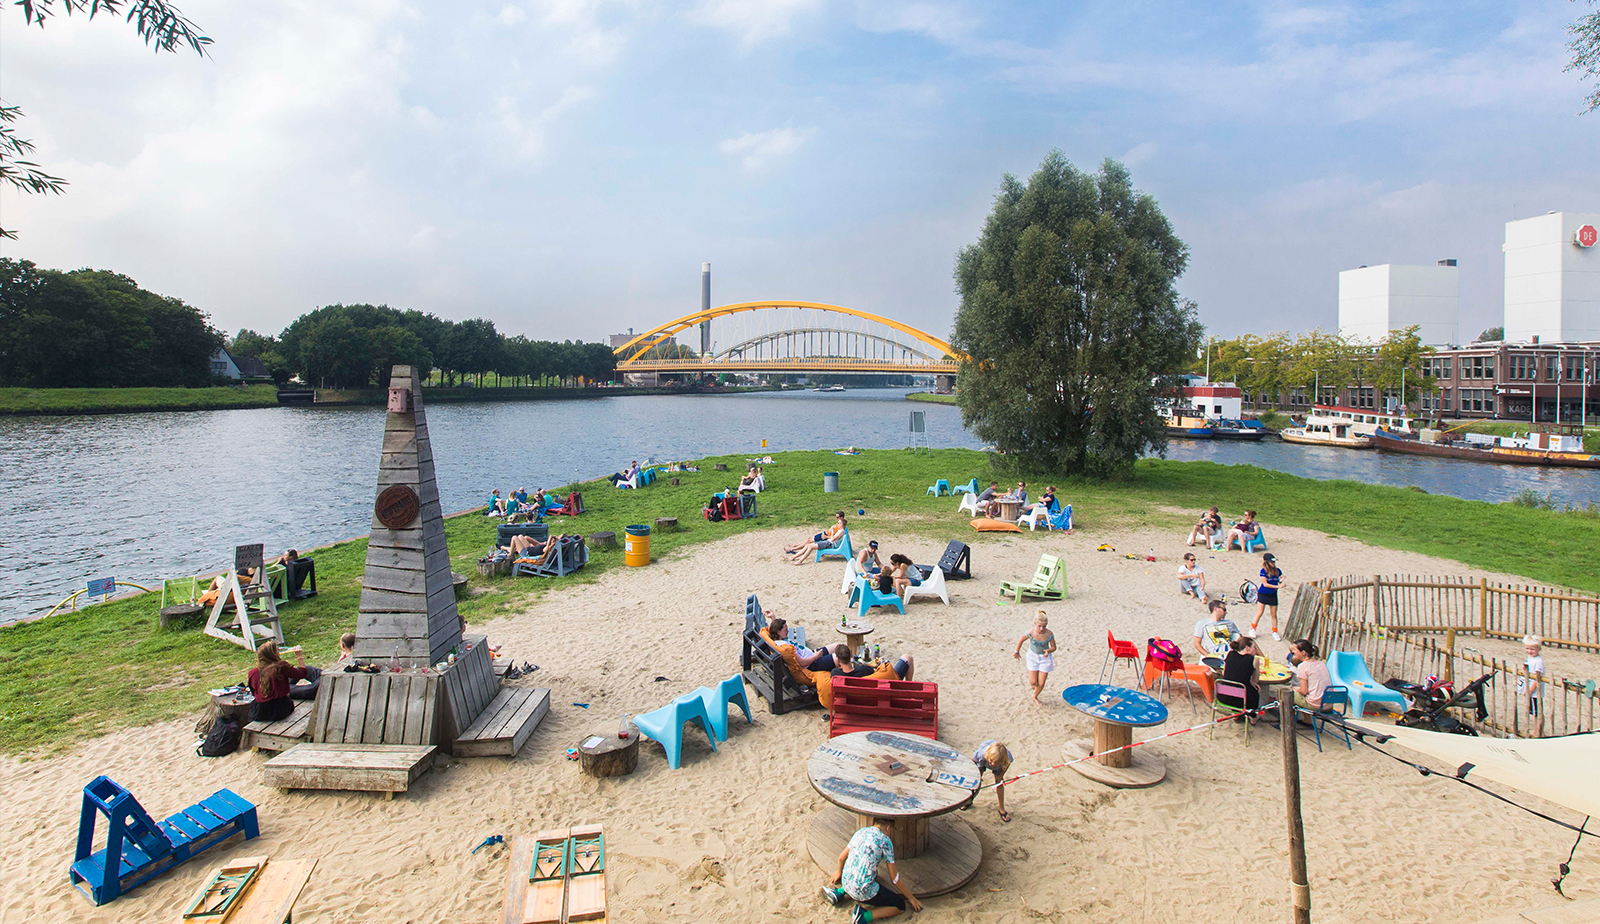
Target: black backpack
x,y
222,739
715,510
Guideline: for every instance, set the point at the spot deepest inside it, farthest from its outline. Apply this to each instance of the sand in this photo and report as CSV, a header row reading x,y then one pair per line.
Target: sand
x,y
722,838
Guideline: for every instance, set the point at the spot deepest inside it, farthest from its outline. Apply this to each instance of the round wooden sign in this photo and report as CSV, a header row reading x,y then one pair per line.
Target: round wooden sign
x,y
397,506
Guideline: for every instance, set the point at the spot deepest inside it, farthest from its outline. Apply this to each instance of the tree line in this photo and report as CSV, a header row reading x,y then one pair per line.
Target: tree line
x,y
1279,362
93,328
354,346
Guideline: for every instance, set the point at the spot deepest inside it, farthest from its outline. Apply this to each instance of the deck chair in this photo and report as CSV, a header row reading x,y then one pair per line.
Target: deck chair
x,y
562,555
842,551
141,849
851,572
969,504
956,562
1228,698
970,487
1046,577
939,488
665,725
1349,670
1335,708
932,584
717,700
866,595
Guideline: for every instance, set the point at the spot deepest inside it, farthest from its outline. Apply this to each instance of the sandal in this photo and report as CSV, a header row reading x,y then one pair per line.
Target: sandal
x,y
1005,817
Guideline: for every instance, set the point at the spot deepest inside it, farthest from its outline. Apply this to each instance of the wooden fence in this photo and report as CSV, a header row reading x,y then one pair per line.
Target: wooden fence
x,y
1389,619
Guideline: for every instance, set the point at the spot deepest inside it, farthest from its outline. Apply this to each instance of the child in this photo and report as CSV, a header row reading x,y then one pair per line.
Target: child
x,y
857,877
1533,683
994,755
1041,644
1267,594
347,647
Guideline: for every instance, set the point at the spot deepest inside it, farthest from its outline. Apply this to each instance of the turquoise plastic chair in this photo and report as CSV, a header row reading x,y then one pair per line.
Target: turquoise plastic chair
x,y
717,701
1349,670
940,488
665,725
1259,543
843,551
970,487
865,596
1335,702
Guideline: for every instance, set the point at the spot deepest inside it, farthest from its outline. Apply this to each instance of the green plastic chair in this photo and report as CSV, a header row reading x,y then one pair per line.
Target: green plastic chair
x,y
1044,585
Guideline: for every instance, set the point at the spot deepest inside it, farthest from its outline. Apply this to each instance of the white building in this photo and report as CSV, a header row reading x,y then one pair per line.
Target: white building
x,y
1374,300
1553,278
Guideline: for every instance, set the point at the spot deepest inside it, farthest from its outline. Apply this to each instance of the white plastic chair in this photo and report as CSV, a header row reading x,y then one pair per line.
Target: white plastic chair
x,y
851,572
969,503
1034,517
933,585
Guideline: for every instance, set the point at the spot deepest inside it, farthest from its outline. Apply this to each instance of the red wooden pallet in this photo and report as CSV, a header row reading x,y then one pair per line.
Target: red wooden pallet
x,y
865,704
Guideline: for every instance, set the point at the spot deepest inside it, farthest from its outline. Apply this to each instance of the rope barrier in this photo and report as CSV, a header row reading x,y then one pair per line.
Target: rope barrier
x,y
1126,747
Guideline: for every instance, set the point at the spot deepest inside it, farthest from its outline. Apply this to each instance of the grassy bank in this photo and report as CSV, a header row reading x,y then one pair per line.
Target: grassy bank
x,y
122,400
131,672
931,398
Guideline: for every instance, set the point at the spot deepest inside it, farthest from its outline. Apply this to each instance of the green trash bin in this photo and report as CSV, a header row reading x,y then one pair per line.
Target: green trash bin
x,y
830,482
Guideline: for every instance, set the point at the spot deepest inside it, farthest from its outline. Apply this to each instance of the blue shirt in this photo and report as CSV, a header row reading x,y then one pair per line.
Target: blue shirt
x,y
1271,582
868,847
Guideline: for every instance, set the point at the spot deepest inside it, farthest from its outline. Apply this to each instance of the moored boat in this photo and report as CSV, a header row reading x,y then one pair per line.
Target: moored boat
x,y
1528,449
1325,427
1236,430
1185,426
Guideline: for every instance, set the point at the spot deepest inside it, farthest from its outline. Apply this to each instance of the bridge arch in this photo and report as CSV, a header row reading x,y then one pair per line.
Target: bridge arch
x,y
943,356
739,350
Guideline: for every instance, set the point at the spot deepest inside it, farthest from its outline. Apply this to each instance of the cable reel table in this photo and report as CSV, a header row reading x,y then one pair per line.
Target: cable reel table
x,y
1116,712
913,782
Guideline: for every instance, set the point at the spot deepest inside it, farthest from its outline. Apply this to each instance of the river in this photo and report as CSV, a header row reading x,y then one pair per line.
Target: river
x,y
141,496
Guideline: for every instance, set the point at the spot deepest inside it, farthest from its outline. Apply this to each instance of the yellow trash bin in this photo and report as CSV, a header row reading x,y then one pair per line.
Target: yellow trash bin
x,y
636,546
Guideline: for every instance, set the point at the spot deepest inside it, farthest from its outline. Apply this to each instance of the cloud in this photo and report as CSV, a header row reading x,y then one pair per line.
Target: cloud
x,y
758,150
752,21
511,15
1138,154
946,23
527,135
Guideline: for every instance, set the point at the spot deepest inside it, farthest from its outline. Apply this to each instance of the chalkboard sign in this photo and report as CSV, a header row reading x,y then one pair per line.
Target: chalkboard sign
x,y
917,422
248,557
104,587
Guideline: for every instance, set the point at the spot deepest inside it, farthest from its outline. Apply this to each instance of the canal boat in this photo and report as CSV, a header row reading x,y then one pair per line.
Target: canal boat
x,y
1183,425
1532,448
1365,421
829,388
1237,430
1325,429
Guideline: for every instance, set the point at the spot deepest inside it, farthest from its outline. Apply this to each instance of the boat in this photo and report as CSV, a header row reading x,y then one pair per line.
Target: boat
x,y
1237,430
829,388
1526,449
1325,429
1365,421
1183,425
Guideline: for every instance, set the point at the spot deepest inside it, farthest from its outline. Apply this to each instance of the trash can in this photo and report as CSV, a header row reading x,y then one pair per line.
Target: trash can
x,y
636,546
830,482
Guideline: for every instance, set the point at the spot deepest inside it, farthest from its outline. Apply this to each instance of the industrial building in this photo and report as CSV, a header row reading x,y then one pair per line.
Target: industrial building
x,y
1374,300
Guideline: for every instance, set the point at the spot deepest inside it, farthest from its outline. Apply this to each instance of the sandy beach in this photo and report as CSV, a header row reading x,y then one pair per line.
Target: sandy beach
x,y
722,838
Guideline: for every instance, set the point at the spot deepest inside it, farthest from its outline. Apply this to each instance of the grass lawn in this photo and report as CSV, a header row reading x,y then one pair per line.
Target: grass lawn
x,y
931,398
118,400
127,671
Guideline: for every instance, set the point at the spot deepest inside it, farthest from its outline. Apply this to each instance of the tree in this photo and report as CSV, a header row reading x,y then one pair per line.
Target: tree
x,y
1585,47
1070,323
1398,364
1492,334
159,23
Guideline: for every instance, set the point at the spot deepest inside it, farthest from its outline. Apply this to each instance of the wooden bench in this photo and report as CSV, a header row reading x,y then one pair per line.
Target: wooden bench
x,y
369,732
865,704
765,670
503,727
282,734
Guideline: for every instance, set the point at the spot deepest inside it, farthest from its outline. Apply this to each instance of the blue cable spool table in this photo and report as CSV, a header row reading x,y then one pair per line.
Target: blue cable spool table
x,y
913,782
1116,711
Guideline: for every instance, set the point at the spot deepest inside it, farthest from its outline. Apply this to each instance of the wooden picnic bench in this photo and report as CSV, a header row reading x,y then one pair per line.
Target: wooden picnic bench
x,y
483,718
282,734
764,668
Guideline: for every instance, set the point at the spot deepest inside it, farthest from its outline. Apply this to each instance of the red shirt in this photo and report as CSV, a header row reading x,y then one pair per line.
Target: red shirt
x,y
280,688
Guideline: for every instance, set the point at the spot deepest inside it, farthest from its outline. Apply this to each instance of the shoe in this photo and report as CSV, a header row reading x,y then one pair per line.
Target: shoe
x,y
1276,637
832,894
860,915
1250,632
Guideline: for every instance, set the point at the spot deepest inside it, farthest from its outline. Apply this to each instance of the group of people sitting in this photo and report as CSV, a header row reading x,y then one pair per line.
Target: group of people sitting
x,y
627,478
1208,531
892,578
754,480
815,667
521,503
1216,636
989,499
801,552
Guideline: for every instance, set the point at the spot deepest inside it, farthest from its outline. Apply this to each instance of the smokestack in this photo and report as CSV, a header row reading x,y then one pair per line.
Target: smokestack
x,y
705,305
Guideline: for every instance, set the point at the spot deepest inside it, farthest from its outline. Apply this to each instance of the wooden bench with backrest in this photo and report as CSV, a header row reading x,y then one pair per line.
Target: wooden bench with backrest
x,y
868,704
483,718
765,669
282,734
369,732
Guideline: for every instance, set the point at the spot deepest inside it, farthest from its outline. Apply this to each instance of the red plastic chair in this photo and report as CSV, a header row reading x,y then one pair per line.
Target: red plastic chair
x,y
1119,651
730,508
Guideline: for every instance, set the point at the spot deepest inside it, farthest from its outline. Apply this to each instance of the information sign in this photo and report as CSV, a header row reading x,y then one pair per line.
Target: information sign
x,y
104,587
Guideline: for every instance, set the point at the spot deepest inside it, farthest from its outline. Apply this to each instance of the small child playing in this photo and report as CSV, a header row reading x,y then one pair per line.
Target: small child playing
x,y
995,756
1534,665
1041,644
1267,594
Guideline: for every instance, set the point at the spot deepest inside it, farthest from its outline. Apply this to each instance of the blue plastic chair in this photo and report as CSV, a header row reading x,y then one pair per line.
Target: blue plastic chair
x,y
138,849
940,488
717,701
665,725
843,550
970,487
1349,670
1335,702
865,595
1259,543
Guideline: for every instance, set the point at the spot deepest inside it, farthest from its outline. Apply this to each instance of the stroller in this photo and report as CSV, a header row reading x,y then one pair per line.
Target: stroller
x,y
1433,699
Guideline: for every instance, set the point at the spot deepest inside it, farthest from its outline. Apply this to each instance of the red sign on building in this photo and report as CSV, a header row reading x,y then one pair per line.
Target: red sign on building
x,y
1585,236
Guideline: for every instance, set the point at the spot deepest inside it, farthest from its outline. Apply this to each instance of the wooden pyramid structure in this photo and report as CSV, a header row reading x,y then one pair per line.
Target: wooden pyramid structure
x,y
408,605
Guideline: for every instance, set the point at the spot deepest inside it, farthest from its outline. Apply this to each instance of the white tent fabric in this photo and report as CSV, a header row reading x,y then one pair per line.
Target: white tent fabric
x,y
1560,770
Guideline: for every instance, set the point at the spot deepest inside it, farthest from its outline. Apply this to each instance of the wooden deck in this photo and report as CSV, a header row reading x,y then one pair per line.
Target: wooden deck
x,y
283,734
369,732
389,768
505,724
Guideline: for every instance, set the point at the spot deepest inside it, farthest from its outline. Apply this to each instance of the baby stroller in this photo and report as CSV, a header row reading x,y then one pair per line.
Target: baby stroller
x,y
1433,699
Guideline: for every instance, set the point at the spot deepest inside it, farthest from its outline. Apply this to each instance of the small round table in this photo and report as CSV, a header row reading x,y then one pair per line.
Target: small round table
x,y
913,782
1010,509
1274,673
609,755
855,634
1116,712
236,705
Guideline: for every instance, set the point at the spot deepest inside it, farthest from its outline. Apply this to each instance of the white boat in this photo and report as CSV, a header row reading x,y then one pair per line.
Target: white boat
x,y
1325,434
1348,427
829,388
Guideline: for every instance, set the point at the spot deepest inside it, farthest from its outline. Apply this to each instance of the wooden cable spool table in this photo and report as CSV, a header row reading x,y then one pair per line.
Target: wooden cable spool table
x,y
601,753
1010,508
1116,711
855,633
179,612
914,783
236,705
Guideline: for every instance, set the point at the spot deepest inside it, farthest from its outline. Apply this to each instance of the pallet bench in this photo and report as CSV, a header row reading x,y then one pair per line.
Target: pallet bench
x,y
866,704
764,669
369,732
282,734
505,724
385,768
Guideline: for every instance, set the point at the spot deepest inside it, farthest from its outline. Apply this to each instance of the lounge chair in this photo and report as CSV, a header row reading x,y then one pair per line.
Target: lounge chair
x,y
843,550
765,669
932,584
665,725
1349,670
562,555
865,595
1046,578
956,562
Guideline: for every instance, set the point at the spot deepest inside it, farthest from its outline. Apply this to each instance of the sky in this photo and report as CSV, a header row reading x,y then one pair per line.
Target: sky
x,y
563,168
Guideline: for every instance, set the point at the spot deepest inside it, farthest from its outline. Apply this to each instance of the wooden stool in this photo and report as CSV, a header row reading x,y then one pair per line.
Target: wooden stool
x,y
603,540
665,523
239,708
610,756
721,466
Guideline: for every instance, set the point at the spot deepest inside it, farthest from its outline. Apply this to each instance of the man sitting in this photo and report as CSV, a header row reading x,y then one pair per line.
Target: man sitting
x,y
986,499
867,559
1215,632
845,665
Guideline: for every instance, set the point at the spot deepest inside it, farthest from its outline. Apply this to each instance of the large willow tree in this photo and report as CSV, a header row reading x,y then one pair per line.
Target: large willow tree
x,y
1070,320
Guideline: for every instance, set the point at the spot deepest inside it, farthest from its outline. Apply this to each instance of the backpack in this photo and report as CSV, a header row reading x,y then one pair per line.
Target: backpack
x,y
1165,650
222,739
714,510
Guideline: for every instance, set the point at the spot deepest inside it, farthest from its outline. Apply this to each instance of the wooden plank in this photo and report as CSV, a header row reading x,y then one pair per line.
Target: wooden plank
x,y
586,880
385,601
392,476
333,718
394,558
386,538
416,703
375,715
400,580
391,625
514,897
399,441
355,724
271,900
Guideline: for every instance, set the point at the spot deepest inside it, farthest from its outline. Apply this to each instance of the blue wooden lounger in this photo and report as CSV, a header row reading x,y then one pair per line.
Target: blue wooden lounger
x,y
145,849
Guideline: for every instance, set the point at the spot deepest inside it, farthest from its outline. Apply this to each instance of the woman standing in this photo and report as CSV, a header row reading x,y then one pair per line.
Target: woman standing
x,y
1267,594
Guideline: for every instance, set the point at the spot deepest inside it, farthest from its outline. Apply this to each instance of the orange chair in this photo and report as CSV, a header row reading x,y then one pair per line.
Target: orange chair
x,y
1158,671
1119,651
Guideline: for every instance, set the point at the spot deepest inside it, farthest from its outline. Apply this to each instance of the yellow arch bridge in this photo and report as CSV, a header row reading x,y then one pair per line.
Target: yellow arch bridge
x,y
787,337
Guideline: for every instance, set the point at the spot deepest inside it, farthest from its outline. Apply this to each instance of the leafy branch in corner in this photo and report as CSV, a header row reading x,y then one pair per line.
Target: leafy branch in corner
x,y
1585,47
23,174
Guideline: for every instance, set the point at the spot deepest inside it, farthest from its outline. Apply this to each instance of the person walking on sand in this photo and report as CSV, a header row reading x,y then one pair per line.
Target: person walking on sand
x,y
1267,595
857,877
1041,644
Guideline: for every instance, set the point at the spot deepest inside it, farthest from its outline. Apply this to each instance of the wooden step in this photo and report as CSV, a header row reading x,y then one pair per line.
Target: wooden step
x,y
387,768
503,727
282,734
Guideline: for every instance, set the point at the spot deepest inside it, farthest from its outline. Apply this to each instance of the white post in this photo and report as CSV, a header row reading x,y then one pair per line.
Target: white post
x,y
1208,360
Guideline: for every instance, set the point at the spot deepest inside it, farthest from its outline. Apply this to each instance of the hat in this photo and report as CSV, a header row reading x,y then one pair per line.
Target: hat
x,y
873,544
1269,557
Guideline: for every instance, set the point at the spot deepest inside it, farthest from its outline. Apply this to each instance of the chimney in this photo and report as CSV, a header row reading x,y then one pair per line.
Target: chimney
x,y
705,305
1447,262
